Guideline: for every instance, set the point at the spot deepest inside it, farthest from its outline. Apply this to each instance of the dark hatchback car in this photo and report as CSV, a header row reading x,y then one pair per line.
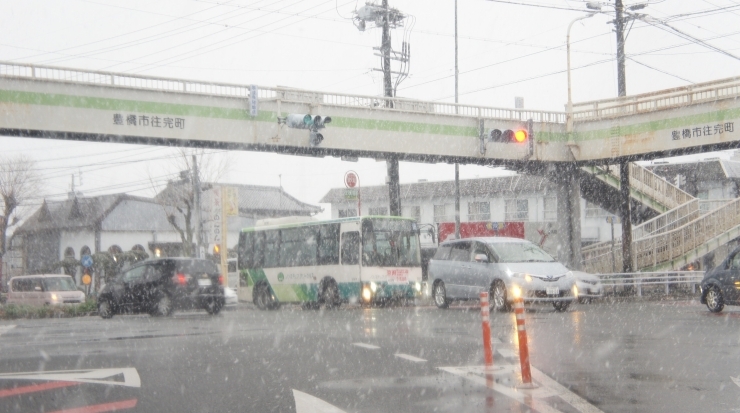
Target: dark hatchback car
x,y
721,285
160,286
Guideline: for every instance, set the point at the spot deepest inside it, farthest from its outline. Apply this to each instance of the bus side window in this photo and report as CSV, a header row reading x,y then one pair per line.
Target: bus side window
x,y
259,250
246,250
351,248
329,244
272,249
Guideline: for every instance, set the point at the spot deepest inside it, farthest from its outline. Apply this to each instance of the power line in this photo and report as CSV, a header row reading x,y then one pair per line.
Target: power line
x,y
535,5
661,71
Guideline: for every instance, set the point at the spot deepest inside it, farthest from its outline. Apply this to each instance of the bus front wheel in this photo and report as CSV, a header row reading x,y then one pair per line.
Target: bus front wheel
x,y
330,294
263,299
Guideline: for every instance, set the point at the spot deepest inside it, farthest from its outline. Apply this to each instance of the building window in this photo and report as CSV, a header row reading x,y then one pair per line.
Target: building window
x,y
346,213
444,213
595,211
550,209
479,211
382,211
412,212
516,210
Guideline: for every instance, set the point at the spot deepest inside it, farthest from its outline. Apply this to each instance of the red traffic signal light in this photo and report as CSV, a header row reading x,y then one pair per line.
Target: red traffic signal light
x,y
509,136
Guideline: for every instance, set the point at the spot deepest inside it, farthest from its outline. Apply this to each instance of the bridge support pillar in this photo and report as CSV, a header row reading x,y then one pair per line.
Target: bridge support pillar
x,y
394,186
569,214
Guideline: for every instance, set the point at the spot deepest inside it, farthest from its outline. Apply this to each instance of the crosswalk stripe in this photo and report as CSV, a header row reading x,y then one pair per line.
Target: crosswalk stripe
x,y
410,358
367,346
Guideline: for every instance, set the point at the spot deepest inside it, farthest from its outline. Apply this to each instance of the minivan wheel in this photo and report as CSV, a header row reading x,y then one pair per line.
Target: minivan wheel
x,y
715,301
439,295
498,297
163,306
105,310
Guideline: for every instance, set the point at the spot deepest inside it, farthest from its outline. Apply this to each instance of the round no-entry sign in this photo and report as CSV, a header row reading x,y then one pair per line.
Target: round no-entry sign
x,y
351,179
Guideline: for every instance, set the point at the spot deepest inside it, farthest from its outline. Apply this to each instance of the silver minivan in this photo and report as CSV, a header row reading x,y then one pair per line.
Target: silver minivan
x,y
504,267
44,289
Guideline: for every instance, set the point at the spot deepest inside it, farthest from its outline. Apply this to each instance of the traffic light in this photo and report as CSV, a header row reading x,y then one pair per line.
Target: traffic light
x,y
217,253
509,136
312,123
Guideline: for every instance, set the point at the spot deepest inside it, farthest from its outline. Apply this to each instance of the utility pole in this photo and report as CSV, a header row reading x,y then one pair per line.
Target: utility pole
x,y
394,186
457,166
624,166
196,200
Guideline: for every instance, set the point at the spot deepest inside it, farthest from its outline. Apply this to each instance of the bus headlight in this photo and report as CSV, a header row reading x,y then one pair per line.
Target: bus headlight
x,y
366,294
373,286
417,285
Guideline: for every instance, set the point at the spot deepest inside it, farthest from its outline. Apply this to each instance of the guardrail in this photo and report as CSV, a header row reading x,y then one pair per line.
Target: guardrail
x,y
125,80
708,205
641,279
650,102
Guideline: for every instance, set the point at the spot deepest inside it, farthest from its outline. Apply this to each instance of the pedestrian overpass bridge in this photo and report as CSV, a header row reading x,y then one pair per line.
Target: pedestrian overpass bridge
x,y
63,103
66,103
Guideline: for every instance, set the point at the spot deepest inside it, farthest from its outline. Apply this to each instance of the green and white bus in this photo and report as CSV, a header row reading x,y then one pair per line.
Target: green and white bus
x,y
368,260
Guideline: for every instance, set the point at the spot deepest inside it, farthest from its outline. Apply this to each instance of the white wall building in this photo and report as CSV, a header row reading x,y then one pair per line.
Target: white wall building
x,y
518,198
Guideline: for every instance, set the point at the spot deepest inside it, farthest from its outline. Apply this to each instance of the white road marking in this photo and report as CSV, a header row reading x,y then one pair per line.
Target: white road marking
x,y
531,398
97,376
367,346
507,352
410,358
305,403
4,329
736,380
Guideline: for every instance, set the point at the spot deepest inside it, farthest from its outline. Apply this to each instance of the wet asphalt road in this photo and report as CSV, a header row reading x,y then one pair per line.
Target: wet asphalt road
x,y
621,357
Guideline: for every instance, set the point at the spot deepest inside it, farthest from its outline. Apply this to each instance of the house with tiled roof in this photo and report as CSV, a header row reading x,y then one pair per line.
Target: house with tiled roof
x,y
80,225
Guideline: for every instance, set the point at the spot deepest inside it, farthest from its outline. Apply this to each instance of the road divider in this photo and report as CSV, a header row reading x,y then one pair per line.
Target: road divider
x,y
523,347
485,315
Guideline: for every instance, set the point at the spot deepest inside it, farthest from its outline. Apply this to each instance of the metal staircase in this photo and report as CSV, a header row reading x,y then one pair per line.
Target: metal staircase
x,y
677,237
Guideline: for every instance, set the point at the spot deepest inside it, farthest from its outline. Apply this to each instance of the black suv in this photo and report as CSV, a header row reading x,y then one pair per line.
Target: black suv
x,y
160,286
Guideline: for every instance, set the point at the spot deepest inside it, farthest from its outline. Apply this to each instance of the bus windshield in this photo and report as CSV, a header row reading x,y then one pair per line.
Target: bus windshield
x,y
390,243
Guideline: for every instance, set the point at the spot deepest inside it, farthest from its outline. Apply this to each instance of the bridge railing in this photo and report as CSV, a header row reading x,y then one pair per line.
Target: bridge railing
x,y
707,205
666,99
126,80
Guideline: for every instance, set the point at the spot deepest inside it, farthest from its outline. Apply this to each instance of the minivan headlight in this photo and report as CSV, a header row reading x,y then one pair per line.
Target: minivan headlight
x,y
54,297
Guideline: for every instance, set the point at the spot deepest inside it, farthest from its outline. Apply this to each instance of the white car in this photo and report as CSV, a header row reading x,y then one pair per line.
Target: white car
x,y
231,299
589,286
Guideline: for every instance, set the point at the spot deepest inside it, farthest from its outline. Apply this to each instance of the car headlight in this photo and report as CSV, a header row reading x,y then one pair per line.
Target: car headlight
x,y
527,278
373,286
575,291
54,297
516,291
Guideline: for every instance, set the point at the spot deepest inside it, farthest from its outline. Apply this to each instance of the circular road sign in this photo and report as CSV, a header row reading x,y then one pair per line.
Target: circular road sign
x,y
86,261
351,179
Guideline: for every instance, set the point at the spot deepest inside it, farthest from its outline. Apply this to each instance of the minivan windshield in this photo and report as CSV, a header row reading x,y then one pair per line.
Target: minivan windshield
x,y
59,284
520,252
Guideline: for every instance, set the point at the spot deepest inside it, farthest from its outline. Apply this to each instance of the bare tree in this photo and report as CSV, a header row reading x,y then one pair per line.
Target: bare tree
x,y
18,184
178,197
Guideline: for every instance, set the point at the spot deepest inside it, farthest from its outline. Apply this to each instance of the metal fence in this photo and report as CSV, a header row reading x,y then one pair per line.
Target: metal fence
x,y
619,282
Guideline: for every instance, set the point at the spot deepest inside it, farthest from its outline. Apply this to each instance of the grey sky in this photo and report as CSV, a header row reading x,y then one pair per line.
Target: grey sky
x,y
505,51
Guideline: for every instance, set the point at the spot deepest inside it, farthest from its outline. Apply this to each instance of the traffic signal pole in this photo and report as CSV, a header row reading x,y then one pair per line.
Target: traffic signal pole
x,y
457,166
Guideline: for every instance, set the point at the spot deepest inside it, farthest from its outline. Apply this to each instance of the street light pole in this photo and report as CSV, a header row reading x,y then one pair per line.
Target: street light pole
x,y
569,122
457,166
